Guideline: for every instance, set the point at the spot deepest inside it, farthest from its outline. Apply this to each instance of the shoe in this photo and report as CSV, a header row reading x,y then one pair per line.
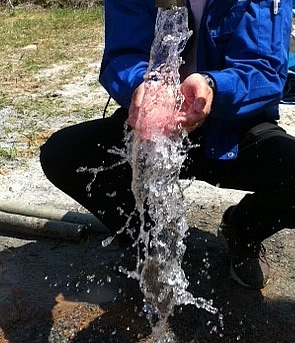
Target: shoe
x,y
289,89
249,265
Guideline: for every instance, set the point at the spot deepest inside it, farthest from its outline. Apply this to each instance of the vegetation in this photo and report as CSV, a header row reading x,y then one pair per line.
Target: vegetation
x,y
53,3
44,54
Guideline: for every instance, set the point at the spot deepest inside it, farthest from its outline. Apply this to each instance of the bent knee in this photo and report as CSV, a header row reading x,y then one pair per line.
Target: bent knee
x,y
52,154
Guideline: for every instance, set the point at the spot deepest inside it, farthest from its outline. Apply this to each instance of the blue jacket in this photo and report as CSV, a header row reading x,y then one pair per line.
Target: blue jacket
x,y
242,45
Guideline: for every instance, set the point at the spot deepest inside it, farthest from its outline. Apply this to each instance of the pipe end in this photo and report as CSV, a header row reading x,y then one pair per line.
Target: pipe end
x,y
170,3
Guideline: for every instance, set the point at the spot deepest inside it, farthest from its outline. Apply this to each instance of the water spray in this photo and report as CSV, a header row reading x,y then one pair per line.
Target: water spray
x,y
156,156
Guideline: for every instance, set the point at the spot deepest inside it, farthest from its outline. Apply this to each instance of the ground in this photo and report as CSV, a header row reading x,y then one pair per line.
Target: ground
x,y
56,291
60,291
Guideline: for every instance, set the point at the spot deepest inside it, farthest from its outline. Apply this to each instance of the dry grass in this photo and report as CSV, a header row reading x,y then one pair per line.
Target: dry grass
x,y
45,55
32,40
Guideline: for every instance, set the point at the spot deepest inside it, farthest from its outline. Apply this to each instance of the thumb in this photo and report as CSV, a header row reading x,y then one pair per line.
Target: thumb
x,y
199,104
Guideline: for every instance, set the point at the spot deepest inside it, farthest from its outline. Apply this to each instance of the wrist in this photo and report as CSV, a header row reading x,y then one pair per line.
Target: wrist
x,y
210,82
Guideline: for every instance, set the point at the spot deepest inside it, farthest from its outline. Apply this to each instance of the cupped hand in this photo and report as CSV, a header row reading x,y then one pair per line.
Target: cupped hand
x,y
198,97
157,114
152,111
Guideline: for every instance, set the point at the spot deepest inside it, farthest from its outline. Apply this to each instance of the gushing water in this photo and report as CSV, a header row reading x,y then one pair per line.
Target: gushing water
x,y
157,152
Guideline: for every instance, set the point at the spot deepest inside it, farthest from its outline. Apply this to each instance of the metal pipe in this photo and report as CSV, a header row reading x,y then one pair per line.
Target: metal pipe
x,y
170,3
23,219
55,214
16,224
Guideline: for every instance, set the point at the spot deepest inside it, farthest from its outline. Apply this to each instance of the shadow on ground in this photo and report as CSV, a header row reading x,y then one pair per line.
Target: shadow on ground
x,y
55,291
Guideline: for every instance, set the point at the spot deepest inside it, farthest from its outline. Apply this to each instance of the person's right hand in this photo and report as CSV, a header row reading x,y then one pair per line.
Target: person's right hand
x,y
152,111
158,113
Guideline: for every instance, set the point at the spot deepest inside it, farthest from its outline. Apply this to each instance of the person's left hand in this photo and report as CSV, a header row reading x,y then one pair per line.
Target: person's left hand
x,y
134,107
198,97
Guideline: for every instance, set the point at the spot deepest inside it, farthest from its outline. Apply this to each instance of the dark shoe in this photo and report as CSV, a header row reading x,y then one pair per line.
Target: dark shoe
x,y
289,89
249,265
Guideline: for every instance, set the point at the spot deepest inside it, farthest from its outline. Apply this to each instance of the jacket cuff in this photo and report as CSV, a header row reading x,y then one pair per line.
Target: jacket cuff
x,y
225,90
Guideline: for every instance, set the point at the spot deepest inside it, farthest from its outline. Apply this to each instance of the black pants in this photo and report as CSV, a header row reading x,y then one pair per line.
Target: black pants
x,y
265,166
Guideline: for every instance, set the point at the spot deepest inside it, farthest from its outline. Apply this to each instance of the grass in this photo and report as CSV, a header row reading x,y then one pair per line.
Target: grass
x,y
58,34
42,51
55,36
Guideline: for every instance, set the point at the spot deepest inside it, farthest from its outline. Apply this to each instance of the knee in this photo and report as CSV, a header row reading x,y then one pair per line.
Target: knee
x,y
51,154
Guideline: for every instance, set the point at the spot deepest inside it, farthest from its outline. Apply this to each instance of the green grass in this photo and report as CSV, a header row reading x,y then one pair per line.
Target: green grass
x,y
23,27
8,153
33,41
59,35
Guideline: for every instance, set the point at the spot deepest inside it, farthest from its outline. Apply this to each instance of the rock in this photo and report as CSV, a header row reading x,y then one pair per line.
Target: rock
x,y
30,47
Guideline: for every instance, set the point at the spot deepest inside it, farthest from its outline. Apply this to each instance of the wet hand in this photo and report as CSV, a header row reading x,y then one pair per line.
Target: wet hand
x,y
134,107
152,110
198,97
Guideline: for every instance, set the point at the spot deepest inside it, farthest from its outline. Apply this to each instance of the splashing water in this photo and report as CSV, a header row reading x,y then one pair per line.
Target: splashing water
x,y
157,152
162,98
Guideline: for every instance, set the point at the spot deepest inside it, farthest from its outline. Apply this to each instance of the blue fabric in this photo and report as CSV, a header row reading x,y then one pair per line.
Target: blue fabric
x,y
242,45
291,63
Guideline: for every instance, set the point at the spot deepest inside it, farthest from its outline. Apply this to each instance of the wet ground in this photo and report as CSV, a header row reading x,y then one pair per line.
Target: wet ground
x,y
59,291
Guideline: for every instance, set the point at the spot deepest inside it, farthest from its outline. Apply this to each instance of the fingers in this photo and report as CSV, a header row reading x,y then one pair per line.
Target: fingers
x,y
190,122
200,104
198,97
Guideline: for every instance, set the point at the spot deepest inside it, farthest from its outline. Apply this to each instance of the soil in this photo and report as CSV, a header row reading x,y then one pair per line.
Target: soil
x,y
60,291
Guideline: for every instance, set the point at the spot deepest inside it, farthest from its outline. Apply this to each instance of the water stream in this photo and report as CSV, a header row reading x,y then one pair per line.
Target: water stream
x,y
156,150
156,154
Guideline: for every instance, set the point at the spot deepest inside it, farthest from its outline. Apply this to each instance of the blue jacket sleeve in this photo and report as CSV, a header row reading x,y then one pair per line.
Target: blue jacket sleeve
x,y
255,61
129,31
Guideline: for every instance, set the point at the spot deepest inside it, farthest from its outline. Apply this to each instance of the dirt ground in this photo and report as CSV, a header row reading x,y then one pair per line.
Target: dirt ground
x,y
60,291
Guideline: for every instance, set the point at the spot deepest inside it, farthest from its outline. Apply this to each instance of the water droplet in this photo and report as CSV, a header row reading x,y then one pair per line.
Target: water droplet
x,y
213,329
107,241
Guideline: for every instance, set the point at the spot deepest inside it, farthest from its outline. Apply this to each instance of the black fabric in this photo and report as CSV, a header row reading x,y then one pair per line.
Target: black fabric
x,y
265,166
87,145
289,89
